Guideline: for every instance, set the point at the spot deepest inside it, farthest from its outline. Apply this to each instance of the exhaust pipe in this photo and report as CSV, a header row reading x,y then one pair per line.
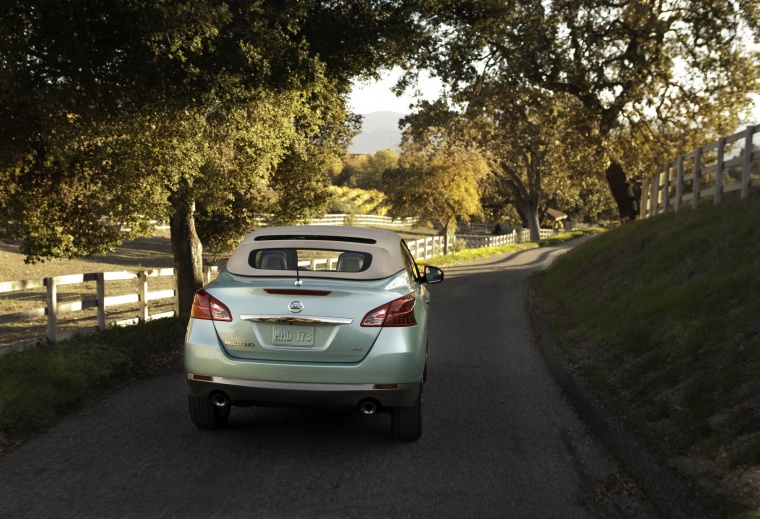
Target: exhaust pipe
x,y
220,400
368,407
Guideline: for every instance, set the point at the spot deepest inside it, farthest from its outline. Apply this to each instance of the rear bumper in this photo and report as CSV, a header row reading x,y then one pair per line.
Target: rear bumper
x,y
292,394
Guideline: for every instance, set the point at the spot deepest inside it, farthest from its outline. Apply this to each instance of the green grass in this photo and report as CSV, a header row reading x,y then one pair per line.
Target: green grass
x,y
41,385
666,312
467,255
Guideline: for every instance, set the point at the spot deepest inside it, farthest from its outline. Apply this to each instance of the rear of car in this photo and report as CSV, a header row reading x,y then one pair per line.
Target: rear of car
x,y
330,317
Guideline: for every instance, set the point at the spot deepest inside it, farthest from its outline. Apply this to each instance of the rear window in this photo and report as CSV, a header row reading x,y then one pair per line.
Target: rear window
x,y
327,260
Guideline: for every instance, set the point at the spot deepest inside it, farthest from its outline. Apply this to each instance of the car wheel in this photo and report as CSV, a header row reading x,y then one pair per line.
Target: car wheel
x,y
205,414
406,422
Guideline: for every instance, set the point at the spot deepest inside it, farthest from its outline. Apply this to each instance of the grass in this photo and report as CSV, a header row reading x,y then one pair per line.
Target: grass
x,y
663,315
43,384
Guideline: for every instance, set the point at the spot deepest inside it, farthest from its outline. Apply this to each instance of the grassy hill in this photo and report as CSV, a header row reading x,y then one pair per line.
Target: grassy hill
x,y
663,316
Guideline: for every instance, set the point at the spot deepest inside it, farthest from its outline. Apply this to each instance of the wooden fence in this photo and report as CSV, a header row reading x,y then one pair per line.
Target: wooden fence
x,y
727,165
143,299
359,220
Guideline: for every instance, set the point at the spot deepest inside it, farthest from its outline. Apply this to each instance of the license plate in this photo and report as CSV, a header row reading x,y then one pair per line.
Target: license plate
x,y
286,335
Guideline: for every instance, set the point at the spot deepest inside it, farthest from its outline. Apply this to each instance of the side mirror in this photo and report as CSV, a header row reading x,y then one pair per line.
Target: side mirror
x,y
432,275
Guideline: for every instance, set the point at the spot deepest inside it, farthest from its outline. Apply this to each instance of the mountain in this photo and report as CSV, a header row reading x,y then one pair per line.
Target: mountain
x,y
379,131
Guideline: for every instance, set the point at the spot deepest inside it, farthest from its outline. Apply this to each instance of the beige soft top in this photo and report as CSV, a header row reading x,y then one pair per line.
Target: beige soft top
x,y
385,251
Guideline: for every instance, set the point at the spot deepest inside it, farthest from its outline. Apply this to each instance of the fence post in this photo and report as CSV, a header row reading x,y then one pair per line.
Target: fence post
x,y
697,192
100,284
719,171
643,210
679,183
666,188
747,170
654,191
52,308
142,291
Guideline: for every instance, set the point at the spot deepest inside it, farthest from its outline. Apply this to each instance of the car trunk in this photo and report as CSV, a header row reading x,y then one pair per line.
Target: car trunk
x,y
276,321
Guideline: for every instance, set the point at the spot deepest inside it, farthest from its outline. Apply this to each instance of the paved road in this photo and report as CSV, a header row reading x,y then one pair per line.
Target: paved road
x,y
499,439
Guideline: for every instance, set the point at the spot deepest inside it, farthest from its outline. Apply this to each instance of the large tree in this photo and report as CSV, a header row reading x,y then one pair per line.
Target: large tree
x,y
436,179
622,61
117,112
531,142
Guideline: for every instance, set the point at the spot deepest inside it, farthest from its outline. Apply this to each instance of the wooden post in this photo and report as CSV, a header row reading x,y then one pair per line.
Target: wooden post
x,y
719,171
653,198
666,188
679,183
52,308
142,294
696,193
100,283
747,170
643,210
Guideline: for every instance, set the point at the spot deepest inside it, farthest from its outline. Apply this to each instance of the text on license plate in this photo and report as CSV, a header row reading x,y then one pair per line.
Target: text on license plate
x,y
287,335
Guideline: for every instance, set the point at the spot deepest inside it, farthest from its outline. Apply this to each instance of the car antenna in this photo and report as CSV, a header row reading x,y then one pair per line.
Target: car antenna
x,y
298,279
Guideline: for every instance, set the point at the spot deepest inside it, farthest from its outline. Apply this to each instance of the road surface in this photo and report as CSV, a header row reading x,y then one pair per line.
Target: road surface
x,y
499,439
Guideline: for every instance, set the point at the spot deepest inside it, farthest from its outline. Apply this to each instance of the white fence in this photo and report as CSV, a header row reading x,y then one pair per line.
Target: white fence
x,y
144,299
359,220
729,164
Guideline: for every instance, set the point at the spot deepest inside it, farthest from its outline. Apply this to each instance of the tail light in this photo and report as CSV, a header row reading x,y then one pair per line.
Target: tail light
x,y
207,307
399,312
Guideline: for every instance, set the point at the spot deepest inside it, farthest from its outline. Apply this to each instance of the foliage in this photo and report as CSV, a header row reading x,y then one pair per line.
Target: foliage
x,y
642,70
535,158
435,180
347,200
140,111
40,385
366,171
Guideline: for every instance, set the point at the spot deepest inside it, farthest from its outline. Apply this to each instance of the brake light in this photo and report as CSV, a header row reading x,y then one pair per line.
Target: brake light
x,y
208,307
399,312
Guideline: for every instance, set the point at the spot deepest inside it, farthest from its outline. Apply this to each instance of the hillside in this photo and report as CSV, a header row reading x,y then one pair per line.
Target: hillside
x,y
379,131
663,316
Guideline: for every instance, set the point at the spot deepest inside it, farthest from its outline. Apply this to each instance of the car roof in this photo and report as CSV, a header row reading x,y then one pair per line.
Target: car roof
x,y
383,245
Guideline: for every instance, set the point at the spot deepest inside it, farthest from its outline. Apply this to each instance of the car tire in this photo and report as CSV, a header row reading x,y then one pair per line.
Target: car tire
x,y
406,422
205,414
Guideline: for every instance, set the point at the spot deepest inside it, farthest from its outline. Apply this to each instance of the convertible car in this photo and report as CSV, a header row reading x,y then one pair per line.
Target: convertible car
x,y
313,316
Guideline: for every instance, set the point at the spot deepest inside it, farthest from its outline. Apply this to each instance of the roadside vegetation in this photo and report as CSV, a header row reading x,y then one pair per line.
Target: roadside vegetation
x,y
662,316
41,385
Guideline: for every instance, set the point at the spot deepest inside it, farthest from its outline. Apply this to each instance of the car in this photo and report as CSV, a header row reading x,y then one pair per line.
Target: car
x,y
313,316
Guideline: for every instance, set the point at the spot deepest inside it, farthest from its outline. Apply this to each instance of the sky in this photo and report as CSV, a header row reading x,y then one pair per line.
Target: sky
x,y
377,96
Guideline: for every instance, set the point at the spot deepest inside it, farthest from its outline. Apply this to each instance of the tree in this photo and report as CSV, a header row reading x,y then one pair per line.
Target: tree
x,y
114,113
435,180
623,62
366,171
530,140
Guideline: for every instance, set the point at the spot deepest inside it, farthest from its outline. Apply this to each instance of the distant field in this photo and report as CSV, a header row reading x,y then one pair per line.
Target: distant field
x,y
139,254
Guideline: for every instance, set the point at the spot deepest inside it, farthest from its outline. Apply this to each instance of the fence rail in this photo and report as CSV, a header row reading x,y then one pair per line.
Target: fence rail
x,y
729,164
359,220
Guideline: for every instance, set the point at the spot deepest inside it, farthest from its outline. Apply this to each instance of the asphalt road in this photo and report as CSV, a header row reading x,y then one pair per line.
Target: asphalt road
x,y
499,439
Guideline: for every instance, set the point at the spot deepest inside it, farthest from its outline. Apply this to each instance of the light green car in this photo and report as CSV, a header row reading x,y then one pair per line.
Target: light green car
x,y
312,316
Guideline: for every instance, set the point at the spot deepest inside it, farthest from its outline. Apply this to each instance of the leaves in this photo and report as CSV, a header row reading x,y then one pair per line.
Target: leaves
x,y
639,69
436,180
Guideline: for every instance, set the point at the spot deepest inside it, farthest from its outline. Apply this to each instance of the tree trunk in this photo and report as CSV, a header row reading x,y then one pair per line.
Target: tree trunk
x,y
529,213
622,192
446,238
187,249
